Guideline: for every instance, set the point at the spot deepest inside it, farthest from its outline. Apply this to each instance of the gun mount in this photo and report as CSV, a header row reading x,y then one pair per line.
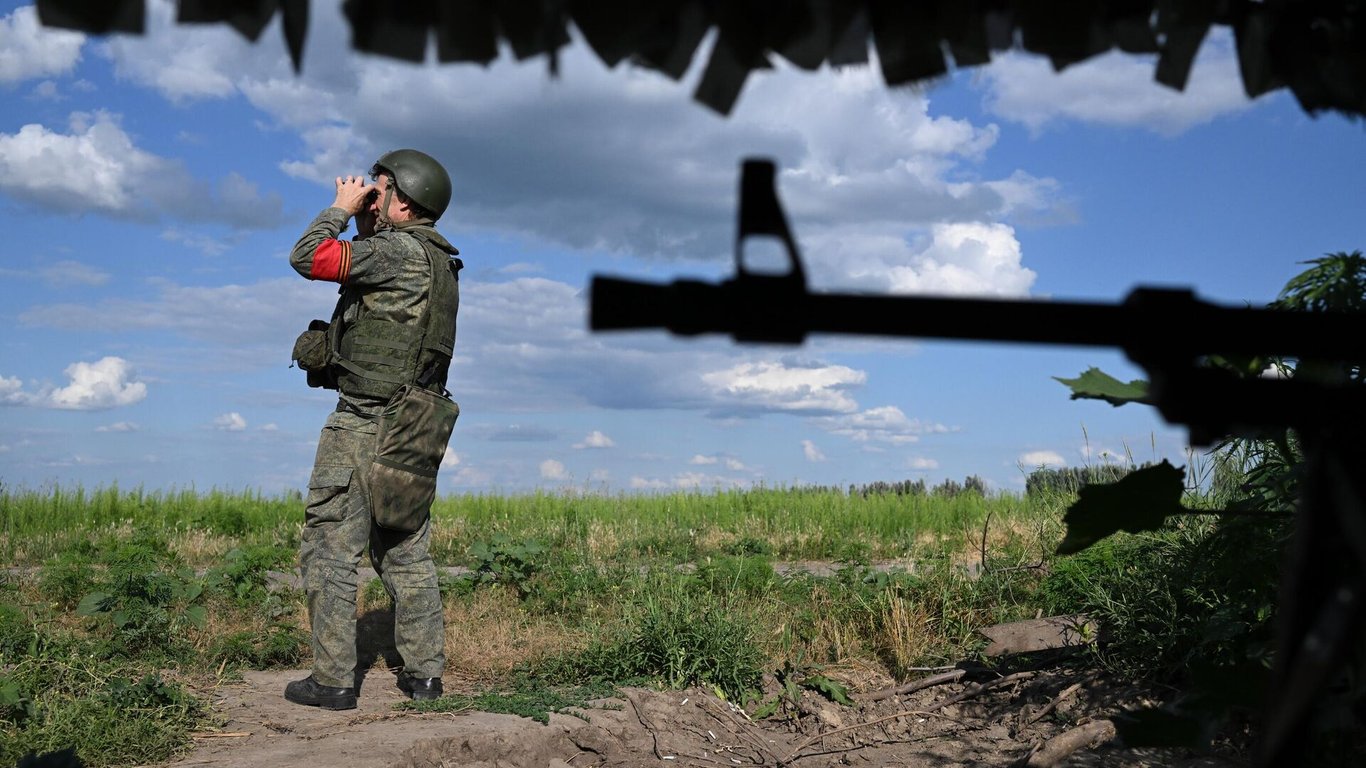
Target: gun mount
x,y
1170,334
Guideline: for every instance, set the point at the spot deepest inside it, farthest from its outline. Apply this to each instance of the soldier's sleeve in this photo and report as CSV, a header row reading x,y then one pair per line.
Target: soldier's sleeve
x,y
319,255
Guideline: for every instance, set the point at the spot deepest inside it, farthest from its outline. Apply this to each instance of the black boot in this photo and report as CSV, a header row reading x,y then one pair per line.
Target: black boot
x,y
419,688
309,693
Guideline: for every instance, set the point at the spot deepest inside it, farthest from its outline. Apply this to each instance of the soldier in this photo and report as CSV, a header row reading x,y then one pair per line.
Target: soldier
x,y
393,328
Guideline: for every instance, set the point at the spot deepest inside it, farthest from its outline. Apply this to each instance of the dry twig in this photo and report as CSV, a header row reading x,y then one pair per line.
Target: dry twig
x,y
745,728
1052,705
981,687
232,735
932,711
818,737
1058,748
914,685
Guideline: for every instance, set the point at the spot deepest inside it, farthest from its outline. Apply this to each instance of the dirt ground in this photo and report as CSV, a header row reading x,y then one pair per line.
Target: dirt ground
x,y
1012,722
980,719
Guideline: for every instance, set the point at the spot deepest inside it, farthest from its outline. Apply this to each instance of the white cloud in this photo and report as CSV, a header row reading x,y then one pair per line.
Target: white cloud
x,y
271,427
921,464
963,258
47,91
470,477
119,426
867,157
67,272
553,470
11,390
97,167
230,422
188,61
697,480
269,313
730,462
812,453
109,382
450,459
29,50
884,424
1091,453
687,480
1116,89
780,386
595,439
1035,459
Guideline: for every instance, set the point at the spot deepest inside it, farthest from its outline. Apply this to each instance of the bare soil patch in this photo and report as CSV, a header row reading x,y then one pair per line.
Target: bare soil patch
x,y
1006,722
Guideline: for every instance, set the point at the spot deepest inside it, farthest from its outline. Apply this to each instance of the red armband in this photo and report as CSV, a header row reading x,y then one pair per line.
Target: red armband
x,y
331,261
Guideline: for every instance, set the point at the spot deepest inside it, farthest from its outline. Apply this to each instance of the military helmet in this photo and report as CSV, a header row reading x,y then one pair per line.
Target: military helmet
x,y
419,177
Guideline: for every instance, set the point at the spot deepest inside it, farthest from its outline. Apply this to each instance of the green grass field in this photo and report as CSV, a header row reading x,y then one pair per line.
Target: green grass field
x,y
113,601
789,524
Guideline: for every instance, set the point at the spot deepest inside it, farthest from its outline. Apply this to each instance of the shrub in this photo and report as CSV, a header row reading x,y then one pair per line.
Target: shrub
x,y
16,632
281,645
1197,593
511,563
737,575
146,599
677,637
748,546
68,577
244,575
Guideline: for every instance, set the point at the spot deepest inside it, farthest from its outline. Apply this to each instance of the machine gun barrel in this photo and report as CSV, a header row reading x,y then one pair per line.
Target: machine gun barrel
x,y
1168,322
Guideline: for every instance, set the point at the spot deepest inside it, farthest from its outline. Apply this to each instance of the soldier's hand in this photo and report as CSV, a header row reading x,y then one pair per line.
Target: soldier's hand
x,y
351,193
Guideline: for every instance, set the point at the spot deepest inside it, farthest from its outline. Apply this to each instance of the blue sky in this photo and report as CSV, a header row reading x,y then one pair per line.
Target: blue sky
x,y
151,188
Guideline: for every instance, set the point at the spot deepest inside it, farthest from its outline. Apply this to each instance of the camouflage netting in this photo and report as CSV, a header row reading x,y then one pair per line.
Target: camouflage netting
x,y
1316,49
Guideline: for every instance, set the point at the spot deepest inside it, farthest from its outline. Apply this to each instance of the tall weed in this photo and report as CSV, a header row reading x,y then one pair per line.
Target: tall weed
x,y
1199,592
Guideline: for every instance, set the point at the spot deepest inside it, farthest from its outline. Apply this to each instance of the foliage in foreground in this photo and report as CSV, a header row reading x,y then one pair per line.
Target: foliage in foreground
x,y
96,648
1228,589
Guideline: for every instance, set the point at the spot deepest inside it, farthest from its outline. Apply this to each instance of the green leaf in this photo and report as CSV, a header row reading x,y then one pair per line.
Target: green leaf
x,y
829,689
197,615
1096,384
9,693
1140,501
13,699
767,709
94,603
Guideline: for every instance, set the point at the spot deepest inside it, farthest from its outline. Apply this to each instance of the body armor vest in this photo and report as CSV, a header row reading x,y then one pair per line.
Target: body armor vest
x,y
376,355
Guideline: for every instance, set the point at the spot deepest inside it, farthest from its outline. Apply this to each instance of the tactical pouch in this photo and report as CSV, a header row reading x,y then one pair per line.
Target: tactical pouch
x,y
413,431
312,355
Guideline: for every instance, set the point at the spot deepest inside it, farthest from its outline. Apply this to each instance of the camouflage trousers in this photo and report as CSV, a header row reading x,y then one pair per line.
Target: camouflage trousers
x,y
338,528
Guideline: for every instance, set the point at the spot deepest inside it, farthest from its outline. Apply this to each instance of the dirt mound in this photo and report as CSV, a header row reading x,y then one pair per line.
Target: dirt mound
x,y
1000,724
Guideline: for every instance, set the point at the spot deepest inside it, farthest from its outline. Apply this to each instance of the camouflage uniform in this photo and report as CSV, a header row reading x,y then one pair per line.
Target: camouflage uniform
x,y
388,274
